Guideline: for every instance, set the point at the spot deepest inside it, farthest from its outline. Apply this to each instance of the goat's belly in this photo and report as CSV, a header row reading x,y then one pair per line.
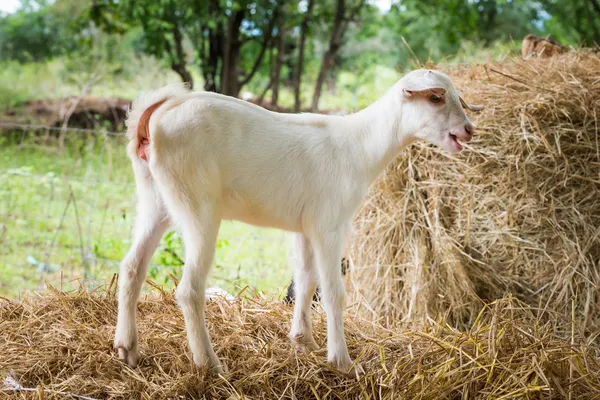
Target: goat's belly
x,y
238,210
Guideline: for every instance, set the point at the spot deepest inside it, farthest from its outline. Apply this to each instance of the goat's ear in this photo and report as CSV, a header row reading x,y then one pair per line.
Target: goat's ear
x,y
471,107
424,89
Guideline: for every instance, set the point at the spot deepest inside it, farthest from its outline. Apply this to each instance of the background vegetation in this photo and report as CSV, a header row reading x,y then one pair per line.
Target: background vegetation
x,y
66,211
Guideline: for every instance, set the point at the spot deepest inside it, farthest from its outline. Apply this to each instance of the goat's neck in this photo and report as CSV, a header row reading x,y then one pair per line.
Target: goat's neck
x,y
377,136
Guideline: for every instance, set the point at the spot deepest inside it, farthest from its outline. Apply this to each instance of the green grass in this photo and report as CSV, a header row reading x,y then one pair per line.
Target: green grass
x,y
74,210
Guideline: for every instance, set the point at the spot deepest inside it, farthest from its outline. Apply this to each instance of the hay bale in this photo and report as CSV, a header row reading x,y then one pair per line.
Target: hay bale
x,y
517,211
60,344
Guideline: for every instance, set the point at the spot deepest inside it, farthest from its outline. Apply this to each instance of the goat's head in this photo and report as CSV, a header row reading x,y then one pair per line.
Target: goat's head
x,y
433,110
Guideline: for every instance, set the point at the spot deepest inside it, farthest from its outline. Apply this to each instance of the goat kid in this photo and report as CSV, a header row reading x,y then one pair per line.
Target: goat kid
x,y
202,157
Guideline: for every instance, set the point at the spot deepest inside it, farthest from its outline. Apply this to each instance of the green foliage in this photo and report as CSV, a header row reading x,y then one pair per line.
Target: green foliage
x,y
433,30
156,18
123,76
39,32
574,21
108,34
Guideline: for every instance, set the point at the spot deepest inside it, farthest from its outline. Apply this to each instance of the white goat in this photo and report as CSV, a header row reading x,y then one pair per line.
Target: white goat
x,y
202,157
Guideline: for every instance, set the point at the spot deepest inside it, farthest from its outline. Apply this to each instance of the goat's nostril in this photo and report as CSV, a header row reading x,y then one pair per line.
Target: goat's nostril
x,y
470,129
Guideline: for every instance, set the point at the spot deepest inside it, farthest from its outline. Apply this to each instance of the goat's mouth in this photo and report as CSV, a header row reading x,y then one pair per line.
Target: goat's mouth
x,y
453,145
455,140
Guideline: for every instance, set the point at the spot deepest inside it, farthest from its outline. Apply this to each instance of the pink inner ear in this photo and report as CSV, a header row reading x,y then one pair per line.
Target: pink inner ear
x,y
408,93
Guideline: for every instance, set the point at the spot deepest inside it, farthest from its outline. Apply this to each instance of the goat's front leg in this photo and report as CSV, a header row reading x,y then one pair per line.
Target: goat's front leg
x,y
151,223
328,248
305,284
200,227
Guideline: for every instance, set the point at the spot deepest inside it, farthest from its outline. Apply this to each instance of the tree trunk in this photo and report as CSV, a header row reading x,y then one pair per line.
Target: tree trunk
x,y
300,62
185,75
210,61
261,98
220,65
178,57
334,45
276,74
340,25
211,50
229,77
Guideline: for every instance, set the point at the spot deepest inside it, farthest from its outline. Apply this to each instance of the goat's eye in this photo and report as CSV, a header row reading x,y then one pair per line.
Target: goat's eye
x,y
435,99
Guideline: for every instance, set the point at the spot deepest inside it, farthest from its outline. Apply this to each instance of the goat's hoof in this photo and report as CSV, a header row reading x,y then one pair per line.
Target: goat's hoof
x,y
347,367
131,356
304,345
126,343
218,368
356,371
306,348
212,366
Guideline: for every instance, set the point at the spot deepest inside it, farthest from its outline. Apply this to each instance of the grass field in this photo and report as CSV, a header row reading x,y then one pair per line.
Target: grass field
x,y
72,212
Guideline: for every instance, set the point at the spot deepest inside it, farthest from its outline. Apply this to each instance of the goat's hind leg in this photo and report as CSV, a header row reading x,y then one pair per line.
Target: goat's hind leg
x,y
151,223
305,284
200,237
199,218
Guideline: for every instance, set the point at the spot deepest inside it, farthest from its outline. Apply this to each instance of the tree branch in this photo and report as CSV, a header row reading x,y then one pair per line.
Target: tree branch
x,y
177,37
178,59
267,37
169,51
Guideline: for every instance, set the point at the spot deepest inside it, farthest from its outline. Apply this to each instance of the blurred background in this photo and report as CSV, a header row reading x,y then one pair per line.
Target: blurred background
x,y
70,68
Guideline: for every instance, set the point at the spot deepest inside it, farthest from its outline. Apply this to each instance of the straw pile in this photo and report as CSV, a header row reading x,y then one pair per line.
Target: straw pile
x,y
518,211
60,344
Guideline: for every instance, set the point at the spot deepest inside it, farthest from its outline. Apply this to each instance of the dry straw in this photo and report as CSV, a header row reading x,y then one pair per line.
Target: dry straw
x,y
518,211
60,345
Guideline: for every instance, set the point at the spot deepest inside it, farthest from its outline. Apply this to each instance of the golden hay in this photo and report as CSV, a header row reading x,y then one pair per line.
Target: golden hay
x,y
518,211
61,343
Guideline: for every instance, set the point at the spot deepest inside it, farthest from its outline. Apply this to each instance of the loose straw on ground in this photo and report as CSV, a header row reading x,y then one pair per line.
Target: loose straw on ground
x,y
61,343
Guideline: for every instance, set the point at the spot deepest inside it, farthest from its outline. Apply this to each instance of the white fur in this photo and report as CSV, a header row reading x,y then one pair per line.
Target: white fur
x,y
213,157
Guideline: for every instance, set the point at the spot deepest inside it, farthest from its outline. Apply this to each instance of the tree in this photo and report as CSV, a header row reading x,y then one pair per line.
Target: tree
x,y
36,33
279,59
163,23
300,62
222,38
342,17
217,30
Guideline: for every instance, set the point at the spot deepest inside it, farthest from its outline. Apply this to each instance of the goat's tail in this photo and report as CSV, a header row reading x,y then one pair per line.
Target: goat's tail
x,y
138,117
